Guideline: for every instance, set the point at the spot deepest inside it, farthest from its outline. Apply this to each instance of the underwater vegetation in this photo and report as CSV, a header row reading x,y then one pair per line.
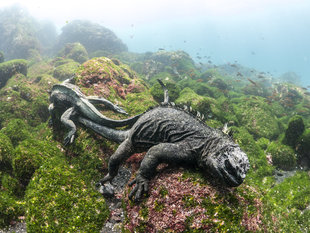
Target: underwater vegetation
x,y
50,187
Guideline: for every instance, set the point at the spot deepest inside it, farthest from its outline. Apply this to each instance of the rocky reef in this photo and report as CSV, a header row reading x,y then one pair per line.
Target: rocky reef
x,y
49,187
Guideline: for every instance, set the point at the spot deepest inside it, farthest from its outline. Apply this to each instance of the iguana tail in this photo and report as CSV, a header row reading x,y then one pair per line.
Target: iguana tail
x,y
109,133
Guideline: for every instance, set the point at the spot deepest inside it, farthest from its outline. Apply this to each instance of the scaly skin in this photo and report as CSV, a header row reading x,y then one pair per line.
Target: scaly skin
x,y
171,135
167,133
70,101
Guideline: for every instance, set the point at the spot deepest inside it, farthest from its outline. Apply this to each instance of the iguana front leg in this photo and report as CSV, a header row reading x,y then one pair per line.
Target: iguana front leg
x,y
65,119
162,153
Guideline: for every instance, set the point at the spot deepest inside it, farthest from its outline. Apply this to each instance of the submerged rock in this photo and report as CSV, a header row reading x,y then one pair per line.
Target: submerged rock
x,y
295,128
91,35
9,68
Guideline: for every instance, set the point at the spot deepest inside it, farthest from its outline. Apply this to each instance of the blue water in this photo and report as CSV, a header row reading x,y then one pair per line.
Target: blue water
x,y
277,45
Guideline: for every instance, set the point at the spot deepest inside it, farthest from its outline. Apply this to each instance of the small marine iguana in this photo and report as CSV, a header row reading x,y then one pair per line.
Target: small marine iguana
x,y
67,99
171,135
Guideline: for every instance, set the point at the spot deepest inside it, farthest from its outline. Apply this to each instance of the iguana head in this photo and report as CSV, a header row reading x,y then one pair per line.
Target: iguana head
x,y
228,165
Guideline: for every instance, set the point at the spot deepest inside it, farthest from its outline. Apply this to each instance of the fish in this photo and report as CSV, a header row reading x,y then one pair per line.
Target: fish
x,y
199,57
209,62
161,49
254,83
233,65
260,76
239,74
307,93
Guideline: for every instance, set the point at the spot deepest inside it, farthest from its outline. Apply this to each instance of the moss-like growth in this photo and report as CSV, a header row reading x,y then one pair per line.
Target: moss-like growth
x,y
30,155
9,68
39,69
197,102
200,88
10,209
295,128
59,200
11,185
6,152
256,115
263,143
75,51
25,99
139,102
158,93
109,78
187,203
283,156
16,130
258,161
287,204
66,70
303,149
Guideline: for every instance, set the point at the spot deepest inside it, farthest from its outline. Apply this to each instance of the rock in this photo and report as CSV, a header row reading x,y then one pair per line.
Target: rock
x,y
75,51
9,68
91,35
295,128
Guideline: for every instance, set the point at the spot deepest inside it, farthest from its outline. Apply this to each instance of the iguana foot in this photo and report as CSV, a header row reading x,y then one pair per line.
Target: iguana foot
x,y
140,188
69,139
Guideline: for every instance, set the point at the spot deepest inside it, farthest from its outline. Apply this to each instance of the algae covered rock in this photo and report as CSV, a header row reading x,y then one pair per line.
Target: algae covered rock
x,y
16,130
6,152
197,102
24,99
181,201
29,155
66,70
295,128
303,149
9,68
91,35
158,93
283,156
75,51
257,116
59,200
10,209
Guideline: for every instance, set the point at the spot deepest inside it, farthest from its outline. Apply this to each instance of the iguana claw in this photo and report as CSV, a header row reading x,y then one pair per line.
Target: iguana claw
x,y
140,188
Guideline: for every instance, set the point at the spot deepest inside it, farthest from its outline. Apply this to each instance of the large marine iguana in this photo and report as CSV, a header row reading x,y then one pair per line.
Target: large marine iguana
x,y
67,99
171,135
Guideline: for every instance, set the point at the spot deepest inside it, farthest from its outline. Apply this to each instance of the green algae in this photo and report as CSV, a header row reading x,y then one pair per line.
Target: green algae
x,y
58,199
10,68
257,117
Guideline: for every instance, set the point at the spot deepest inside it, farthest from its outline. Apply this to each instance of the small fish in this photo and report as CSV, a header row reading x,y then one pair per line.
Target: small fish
x,y
209,62
161,49
307,93
254,83
260,76
308,86
239,74
199,57
233,65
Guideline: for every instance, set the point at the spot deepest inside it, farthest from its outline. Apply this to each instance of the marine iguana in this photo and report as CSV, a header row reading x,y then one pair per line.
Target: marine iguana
x,y
67,99
171,135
